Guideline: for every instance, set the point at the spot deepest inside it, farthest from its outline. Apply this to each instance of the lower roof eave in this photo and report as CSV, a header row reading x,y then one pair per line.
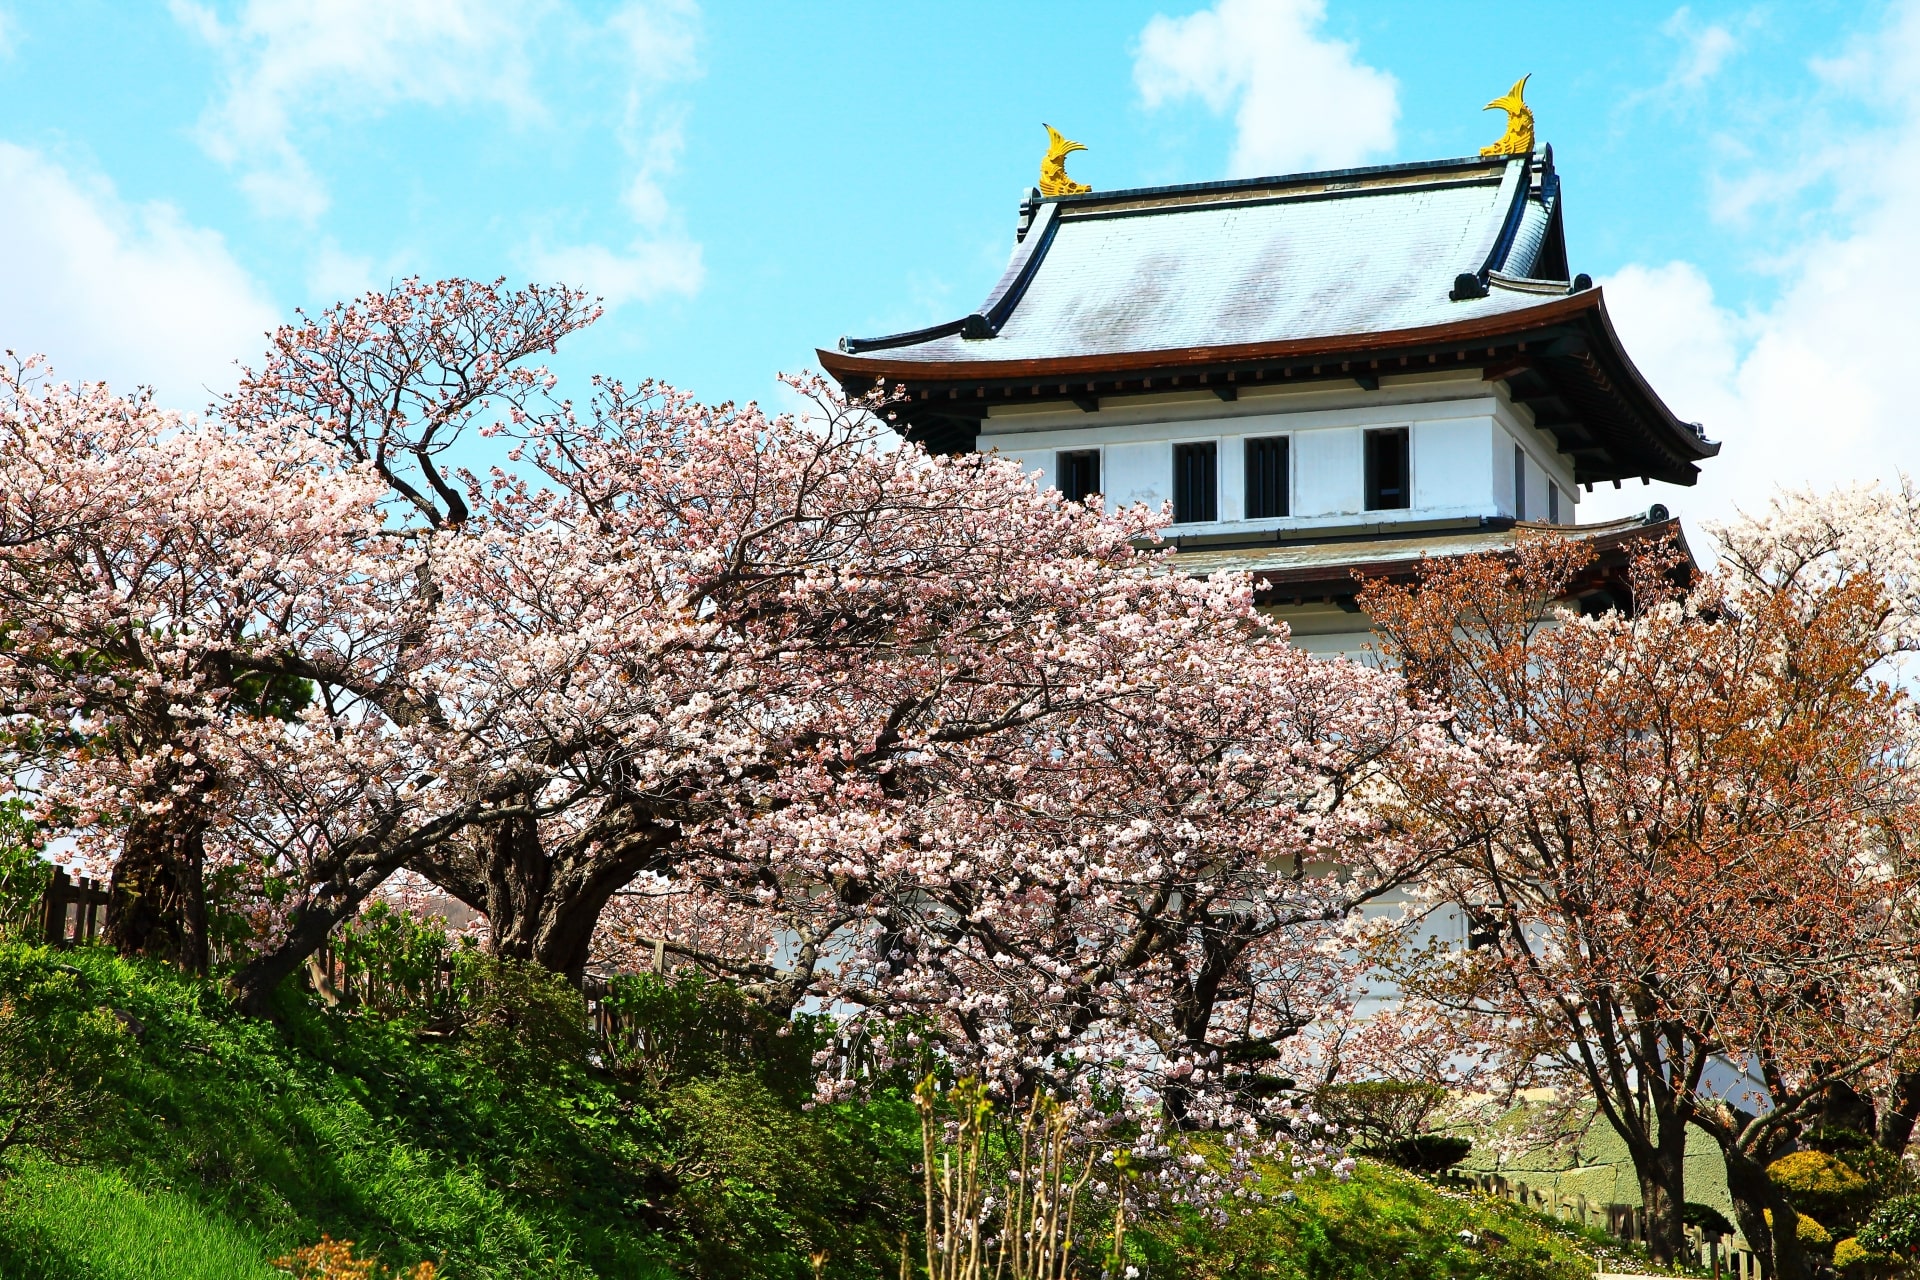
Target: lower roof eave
x,y
1613,549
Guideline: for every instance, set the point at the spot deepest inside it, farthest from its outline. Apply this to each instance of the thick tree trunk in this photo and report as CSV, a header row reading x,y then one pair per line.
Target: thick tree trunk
x,y
1902,1109
540,905
158,903
518,878
1754,1197
1663,1192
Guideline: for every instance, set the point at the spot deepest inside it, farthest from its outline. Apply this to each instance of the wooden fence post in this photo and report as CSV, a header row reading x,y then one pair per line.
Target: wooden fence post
x,y
87,897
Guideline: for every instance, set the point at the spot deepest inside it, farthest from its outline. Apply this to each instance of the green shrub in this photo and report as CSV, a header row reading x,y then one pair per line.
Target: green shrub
x,y
1821,1184
24,874
1382,1112
1707,1218
687,1027
1850,1253
1427,1153
1894,1228
1389,1119
57,1043
398,964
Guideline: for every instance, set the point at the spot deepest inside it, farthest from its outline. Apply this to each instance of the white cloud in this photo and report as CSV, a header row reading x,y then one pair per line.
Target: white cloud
x,y
1705,48
292,65
644,270
291,62
129,294
660,41
1302,100
1815,388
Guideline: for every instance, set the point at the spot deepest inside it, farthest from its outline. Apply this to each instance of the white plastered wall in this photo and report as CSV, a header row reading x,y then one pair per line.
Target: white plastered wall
x,y
1462,431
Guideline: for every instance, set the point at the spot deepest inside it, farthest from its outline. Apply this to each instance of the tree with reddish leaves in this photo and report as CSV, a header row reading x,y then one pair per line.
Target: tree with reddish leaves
x,y
1685,837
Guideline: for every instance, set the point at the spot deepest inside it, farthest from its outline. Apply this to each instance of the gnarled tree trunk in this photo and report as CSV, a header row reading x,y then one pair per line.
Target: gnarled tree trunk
x,y
1663,1194
158,902
1897,1117
542,904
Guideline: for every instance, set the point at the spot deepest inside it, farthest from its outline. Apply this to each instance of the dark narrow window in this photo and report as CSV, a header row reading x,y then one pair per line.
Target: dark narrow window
x,y
1195,482
1266,478
1553,504
1079,473
1519,483
1387,479
1483,927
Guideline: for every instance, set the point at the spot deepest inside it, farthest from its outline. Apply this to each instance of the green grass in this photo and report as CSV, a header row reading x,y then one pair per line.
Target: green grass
x,y
91,1224
1381,1224
223,1142
493,1157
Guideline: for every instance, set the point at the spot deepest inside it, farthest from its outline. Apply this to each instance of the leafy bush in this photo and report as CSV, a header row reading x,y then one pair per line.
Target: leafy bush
x,y
56,1045
1382,1112
1390,1120
1810,1233
686,1027
1427,1153
1851,1253
1821,1184
399,965
24,874
1707,1218
487,1142
1894,1228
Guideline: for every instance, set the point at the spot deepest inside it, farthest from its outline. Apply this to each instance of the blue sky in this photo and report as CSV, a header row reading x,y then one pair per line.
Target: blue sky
x,y
744,182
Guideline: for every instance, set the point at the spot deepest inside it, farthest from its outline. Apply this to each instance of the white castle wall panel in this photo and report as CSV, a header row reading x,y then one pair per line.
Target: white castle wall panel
x,y
1141,472
1328,472
1463,434
1453,465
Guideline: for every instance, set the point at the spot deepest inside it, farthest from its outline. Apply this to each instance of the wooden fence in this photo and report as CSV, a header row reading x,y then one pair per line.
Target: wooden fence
x,y
1723,1255
74,909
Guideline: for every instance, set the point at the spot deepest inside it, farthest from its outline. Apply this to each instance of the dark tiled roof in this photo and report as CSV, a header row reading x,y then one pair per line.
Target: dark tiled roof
x,y
1343,274
1229,264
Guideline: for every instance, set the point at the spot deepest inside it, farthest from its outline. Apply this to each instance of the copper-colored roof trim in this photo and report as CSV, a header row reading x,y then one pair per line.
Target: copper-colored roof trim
x,y
1507,324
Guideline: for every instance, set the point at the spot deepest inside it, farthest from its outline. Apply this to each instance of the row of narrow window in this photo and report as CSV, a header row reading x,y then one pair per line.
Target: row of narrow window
x,y
1196,476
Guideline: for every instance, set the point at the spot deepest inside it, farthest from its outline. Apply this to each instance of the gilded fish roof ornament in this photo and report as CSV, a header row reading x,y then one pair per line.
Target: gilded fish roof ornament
x,y
1053,170
1518,139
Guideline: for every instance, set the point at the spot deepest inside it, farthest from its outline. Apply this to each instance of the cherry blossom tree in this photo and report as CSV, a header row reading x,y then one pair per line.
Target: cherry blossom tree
x,y
134,550
954,746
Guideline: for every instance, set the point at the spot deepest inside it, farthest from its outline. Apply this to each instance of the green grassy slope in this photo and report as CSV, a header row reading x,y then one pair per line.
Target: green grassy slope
x,y
494,1155
91,1224
227,1142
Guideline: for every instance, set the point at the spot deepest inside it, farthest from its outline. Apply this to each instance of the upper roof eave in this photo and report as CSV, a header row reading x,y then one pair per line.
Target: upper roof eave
x,y
1585,311
1499,325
